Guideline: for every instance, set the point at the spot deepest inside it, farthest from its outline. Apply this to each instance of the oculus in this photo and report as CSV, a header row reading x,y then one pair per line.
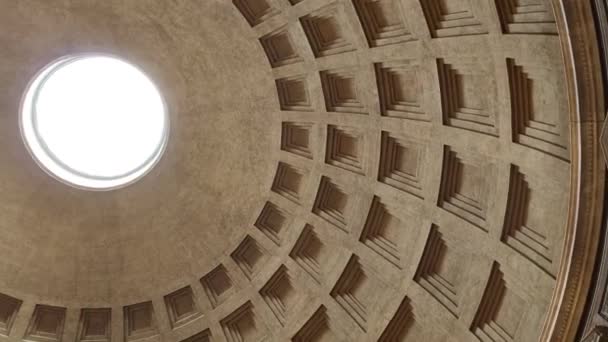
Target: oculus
x,y
94,122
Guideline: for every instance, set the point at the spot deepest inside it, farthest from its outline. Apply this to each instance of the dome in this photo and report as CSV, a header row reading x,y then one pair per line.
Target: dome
x,y
300,170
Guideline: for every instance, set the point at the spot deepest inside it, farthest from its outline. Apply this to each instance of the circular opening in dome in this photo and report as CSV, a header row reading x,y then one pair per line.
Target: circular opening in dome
x,y
94,122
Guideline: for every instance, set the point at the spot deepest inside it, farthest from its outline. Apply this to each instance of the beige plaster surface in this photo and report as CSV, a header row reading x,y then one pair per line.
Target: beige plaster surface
x,y
73,246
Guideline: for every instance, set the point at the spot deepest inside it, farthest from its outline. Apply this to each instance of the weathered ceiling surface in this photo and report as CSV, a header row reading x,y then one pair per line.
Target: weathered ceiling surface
x,y
348,170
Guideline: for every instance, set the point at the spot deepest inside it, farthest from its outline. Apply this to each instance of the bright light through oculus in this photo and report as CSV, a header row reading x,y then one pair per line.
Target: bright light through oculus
x,y
94,121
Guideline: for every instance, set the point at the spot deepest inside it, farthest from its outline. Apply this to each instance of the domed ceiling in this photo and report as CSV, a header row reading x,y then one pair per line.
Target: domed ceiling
x,y
351,170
